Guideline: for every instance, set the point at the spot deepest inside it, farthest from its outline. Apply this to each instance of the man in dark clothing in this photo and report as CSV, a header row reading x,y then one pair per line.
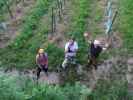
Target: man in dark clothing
x,y
95,49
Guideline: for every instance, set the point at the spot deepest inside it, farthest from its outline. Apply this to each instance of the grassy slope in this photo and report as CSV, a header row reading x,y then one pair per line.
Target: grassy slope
x,y
126,25
21,53
22,88
79,26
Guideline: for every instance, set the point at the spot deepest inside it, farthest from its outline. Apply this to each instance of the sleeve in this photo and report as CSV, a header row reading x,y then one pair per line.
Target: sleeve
x,y
66,46
104,49
76,45
36,59
46,57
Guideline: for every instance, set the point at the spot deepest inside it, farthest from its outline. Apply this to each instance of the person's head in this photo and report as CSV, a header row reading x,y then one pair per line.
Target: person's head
x,y
40,51
72,39
87,34
97,43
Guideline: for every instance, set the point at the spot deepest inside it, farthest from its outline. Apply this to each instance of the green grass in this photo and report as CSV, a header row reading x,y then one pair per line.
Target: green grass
x,y
23,88
111,90
126,23
79,26
21,52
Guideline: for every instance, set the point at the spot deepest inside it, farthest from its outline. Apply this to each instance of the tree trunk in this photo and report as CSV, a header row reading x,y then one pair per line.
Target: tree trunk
x,y
8,8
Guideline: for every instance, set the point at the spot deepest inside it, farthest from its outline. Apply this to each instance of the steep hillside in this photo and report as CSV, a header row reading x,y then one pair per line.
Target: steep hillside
x,y
48,24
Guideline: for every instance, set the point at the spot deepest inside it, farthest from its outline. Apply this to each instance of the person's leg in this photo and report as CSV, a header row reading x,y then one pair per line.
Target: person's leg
x,y
90,62
65,62
45,70
38,72
94,62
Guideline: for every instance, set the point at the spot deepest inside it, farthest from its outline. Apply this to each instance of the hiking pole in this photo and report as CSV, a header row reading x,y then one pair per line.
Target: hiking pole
x,y
112,22
110,28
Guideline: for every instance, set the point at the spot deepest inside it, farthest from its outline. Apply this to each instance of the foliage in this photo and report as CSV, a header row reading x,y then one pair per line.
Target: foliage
x,y
55,56
22,88
126,23
111,90
79,26
31,22
21,52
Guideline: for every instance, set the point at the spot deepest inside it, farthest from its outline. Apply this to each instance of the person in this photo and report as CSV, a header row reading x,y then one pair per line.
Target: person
x,y
71,48
42,62
95,49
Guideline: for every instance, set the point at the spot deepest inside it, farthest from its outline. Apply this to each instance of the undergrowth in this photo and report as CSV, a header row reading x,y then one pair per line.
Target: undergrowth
x,y
23,88
21,52
126,7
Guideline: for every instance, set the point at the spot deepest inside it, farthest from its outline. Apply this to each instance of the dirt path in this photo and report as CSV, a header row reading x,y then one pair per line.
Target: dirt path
x,y
14,24
53,77
112,68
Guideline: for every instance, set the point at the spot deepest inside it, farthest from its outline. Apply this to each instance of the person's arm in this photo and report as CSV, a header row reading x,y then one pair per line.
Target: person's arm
x,y
76,46
36,59
66,47
47,60
89,41
105,47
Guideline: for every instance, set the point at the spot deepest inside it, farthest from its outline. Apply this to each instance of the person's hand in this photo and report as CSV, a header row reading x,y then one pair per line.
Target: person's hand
x,y
89,41
66,50
104,48
106,45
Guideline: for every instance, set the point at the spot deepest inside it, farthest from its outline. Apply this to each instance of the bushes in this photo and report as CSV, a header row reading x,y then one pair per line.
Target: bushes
x,y
111,90
55,56
22,88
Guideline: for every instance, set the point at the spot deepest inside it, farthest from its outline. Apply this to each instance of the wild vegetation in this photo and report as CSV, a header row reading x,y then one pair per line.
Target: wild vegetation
x,y
23,88
33,34
126,13
21,52
23,49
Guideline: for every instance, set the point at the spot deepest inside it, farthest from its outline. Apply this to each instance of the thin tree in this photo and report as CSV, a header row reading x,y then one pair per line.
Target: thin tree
x,y
6,3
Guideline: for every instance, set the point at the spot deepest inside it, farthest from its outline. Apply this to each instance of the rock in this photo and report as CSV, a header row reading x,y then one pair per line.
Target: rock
x,y
130,61
3,26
